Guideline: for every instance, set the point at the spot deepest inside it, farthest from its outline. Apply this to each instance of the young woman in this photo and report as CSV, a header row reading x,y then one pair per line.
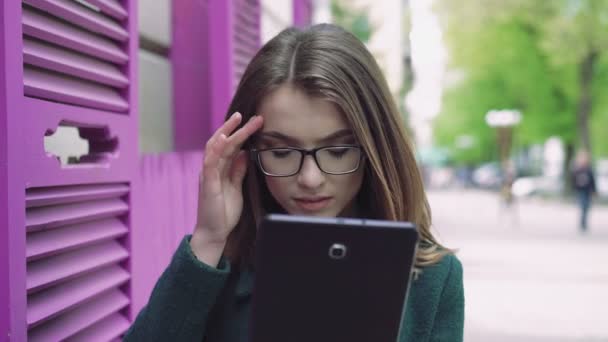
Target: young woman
x,y
315,131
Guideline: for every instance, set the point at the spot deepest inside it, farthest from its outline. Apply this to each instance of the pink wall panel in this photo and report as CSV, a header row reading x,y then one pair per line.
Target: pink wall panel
x,y
12,200
302,12
165,201
207,62
4,200
191,74
221,25
205,72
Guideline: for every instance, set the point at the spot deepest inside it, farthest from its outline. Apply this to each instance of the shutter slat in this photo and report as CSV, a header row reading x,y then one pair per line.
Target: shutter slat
x,y
69,194
49,271
245,17
55,216
45,28
81,319
244,50
45,305
54,241
65,61
79,15
51,86
246,40
106,330
110,7
242,60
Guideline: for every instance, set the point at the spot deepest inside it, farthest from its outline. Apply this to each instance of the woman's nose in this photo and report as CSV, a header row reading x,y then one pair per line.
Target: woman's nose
x,y
310,175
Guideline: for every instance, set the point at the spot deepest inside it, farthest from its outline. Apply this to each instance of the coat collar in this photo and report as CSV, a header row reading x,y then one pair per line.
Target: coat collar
x,y
244,284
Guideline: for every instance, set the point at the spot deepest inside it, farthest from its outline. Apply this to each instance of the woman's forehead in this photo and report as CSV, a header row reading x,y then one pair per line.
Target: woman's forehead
x,y
291,112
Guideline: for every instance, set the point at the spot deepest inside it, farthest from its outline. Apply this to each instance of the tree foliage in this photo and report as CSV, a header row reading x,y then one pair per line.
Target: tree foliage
x,y
354,20
525,55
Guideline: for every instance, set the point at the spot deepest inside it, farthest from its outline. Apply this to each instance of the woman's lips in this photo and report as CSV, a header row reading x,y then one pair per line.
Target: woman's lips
x,y
313,203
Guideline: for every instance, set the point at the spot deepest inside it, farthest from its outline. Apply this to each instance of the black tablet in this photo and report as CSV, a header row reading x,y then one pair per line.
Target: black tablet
x,y
331,279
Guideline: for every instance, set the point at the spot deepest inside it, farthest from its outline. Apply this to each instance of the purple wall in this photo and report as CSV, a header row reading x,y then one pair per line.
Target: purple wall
x,y
208,56
191,67
166,193
12,200
302,13
221,41
124,211
4,200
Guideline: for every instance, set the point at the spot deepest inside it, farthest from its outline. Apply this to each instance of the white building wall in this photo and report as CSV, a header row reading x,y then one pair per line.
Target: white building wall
x,y
276,16
155,20
155,103
386,41
155,75
321,12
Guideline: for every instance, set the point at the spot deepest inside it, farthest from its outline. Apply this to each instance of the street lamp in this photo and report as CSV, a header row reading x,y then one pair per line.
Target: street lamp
x,y
503,121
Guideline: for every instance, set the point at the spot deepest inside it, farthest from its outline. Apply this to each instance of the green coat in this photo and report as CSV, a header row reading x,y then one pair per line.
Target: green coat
x,y
192,301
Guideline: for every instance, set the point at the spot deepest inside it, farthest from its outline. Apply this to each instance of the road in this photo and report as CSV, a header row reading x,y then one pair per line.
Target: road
x,y
529,274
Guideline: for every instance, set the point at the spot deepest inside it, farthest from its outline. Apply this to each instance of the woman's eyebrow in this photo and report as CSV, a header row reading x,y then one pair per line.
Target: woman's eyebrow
x,y
291,140
278,136
343,133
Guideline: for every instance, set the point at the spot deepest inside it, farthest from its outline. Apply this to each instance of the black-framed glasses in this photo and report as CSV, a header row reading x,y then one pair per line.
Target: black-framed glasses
x,y
288,161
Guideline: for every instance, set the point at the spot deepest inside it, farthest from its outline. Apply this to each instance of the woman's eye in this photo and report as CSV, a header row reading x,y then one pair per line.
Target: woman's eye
x,y
281,153
338,152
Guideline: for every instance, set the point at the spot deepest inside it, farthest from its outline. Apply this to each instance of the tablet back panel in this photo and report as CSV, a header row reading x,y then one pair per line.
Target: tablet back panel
x,y
331,279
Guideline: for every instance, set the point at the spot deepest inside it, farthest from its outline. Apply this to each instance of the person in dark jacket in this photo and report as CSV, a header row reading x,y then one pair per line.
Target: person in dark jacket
x,y
312,130
583,182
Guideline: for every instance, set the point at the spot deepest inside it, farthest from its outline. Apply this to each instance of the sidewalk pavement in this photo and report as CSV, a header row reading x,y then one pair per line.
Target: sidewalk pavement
x,y
529,274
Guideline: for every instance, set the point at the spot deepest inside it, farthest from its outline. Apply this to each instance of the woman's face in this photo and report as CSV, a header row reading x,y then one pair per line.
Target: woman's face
x,y
294,119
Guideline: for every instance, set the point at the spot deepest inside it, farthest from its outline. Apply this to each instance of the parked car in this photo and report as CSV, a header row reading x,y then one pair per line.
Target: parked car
x,y
526,186
488,176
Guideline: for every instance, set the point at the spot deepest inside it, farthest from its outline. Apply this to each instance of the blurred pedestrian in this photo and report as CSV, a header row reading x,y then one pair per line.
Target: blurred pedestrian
x,y
508,205
583,182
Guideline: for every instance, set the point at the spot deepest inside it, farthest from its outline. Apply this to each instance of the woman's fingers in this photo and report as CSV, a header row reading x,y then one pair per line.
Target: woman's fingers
x,y
238,169
254,124
236,140
229,126
226,129
214,147
221,150
211,164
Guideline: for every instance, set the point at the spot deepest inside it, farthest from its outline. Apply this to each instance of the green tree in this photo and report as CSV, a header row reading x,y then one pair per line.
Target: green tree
x,y
512,57
351,19
576,35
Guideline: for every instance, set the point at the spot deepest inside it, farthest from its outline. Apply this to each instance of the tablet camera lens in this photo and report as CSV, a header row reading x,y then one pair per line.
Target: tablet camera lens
x,y
337,251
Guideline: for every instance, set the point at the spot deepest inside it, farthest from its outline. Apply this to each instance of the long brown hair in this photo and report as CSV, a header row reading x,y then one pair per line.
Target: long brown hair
x,y
329,62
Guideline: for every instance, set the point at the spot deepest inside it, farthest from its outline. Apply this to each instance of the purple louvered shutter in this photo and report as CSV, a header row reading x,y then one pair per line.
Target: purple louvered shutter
x,y
213,41
74,55
234,39
69,64
245,35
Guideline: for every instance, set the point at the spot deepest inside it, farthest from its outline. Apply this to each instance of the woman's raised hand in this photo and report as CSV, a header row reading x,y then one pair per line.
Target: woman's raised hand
x,y
220,197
